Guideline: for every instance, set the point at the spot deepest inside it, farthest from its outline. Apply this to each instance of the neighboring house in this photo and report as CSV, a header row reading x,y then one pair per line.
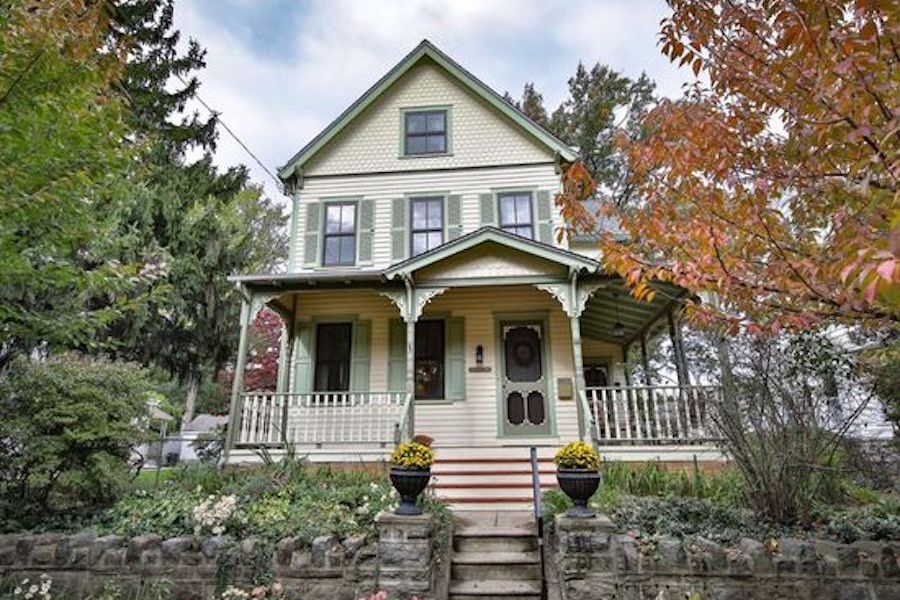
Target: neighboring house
x,y
427,292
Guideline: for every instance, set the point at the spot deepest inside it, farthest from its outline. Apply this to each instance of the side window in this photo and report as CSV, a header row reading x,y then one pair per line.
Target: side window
x,y
424,132
332,368
426,224
340,234
429,356
515,213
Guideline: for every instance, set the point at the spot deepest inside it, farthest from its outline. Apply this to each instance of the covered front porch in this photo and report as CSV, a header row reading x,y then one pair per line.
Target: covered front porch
x,y
491,341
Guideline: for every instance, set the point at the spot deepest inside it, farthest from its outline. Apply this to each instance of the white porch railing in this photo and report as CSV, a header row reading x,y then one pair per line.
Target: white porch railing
x,y
653,414
321,418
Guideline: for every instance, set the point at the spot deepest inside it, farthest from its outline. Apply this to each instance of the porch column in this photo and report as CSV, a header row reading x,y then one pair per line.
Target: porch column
x,y
578,360
645,361
625,349
237,385
411,317
678,349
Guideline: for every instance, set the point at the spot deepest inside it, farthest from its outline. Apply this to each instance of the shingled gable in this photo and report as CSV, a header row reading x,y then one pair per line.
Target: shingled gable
x,y
425,50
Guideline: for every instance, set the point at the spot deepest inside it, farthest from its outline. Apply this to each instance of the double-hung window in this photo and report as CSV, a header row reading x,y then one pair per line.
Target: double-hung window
x,y
340,234
429,357
424,132
426,224
332,369
515,213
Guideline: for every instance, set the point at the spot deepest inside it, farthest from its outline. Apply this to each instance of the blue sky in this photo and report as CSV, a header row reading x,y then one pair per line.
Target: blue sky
x,y
280,71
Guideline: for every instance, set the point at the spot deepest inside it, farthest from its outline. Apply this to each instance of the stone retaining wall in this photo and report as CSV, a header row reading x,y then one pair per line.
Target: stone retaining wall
x,y
592,562
83,563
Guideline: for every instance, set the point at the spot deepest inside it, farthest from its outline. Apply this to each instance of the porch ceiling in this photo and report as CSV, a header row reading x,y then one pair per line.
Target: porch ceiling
x,y
614,303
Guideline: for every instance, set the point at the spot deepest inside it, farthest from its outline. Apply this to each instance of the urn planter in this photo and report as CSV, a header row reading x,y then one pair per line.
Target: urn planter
x,y
579,485
409,483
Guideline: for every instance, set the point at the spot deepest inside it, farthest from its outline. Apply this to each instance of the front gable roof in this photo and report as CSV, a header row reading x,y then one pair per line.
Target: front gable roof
x,y
503,238
424,50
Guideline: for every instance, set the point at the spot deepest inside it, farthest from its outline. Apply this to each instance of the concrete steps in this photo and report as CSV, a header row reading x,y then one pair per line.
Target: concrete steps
x,y
495,562
491,478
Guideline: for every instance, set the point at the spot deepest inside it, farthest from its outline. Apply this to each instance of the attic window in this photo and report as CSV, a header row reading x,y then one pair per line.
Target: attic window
x,y
425,132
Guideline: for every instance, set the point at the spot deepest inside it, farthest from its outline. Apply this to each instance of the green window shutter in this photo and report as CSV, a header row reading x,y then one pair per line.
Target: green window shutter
x,y
311,239
302,363
454,217
488,209
544,217
399,220
360,358
366,230
455,359
397,356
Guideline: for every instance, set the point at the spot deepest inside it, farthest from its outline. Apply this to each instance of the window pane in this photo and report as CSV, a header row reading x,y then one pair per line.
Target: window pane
x,y
429,359
332,251
419,214
415,123
436,143
415,145
333,218
419,243
435,239
435,216
507,210
332,369
523,231
523,210
348,250
436,121
348,218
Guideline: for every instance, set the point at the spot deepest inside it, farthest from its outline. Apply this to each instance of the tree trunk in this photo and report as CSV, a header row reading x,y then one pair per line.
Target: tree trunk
x,y
190,400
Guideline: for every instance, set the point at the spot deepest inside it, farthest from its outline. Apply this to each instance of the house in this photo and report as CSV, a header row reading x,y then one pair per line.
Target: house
x,y
427,292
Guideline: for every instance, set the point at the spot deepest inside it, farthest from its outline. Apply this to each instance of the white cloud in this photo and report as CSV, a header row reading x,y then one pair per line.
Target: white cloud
x,y
276,103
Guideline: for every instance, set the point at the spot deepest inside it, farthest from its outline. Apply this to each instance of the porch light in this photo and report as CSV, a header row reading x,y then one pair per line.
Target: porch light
x,y
479,354
618,327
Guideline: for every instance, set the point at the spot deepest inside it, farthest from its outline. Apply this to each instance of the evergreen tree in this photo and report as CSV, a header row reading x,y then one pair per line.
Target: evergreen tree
x,y
196,224
601,104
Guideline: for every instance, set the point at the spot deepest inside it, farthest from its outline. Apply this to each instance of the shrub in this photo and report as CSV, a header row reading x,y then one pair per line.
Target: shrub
x,y
66,436
412,455
577,455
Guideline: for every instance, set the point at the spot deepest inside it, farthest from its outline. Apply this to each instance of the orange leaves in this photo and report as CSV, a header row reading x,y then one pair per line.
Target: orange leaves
x,y
777,188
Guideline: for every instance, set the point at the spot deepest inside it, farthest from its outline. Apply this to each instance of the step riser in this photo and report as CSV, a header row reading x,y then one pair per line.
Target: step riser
x,y
490,506
517,597
505,572
494,544
439,479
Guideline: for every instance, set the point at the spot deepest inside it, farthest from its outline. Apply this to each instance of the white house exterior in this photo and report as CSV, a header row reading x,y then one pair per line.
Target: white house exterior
x,y
423,240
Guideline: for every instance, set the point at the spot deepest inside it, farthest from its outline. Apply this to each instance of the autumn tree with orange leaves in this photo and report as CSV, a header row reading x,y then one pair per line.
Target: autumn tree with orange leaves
x,y
773,184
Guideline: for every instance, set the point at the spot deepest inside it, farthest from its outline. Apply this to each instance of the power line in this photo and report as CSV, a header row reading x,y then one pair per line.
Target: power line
x,y
221,121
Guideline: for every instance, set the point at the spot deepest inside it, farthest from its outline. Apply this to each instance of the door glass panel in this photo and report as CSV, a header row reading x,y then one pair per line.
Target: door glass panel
x,y
523,354
535,408
515,408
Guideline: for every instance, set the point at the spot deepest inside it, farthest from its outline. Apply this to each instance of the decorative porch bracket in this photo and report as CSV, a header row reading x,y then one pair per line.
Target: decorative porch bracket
x,y
573,297
411,303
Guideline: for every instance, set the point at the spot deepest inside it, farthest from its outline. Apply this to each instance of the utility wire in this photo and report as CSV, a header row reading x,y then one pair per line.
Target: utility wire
x,y
218,116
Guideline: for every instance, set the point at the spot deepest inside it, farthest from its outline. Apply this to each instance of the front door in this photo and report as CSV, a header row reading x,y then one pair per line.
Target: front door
x,y
523,379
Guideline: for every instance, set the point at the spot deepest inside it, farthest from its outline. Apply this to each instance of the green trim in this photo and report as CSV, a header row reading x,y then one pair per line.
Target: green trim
x,y
448,131
506,318
491,234
424,50
293,247
420,172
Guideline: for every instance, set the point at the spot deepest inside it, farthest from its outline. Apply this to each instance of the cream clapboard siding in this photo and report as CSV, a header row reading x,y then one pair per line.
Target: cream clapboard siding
x,y
469,184
474,421
479,135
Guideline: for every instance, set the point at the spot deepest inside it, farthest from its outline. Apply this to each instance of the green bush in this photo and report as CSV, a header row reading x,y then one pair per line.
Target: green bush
x,y
66,436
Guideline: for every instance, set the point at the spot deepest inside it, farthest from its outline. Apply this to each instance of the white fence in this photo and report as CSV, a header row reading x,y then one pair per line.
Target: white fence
x,y
653,414
321,418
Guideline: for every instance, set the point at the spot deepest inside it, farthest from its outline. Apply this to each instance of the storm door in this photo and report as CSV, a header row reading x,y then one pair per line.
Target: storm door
x,y
524,389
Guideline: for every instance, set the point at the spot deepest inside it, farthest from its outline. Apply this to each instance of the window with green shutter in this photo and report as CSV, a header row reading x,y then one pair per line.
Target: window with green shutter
x,y
439,358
